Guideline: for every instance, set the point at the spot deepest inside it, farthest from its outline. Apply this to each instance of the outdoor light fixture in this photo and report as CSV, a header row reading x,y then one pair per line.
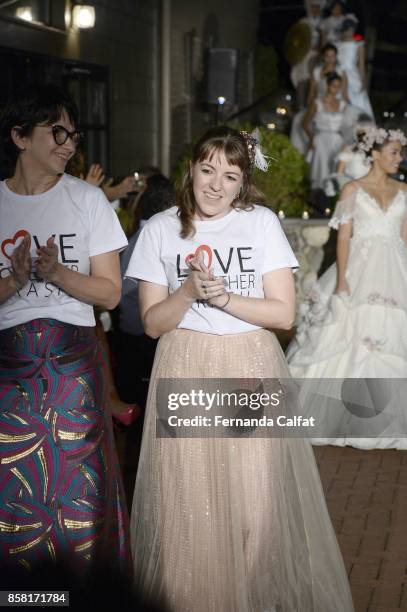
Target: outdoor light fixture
x,y
221,100
271,126
83,16
24,12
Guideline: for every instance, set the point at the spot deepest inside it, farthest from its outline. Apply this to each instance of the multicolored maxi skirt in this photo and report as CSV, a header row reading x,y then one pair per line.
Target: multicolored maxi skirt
x,y
61,498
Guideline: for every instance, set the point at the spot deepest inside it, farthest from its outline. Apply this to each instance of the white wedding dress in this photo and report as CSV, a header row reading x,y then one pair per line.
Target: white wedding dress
x,y
348,57
298,136
362,336
356,167
328,141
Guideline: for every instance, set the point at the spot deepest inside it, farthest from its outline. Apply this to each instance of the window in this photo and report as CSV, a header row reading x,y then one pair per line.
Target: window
x,y
43,12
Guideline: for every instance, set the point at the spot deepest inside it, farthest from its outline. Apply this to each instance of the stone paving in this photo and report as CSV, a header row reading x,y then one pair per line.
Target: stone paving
x,y
366,493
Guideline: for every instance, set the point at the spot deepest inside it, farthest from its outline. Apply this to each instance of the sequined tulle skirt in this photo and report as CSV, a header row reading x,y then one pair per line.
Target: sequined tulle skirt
x,y
231,525
61,499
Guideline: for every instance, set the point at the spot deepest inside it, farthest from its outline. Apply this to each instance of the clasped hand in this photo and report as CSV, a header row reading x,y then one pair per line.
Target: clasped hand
x,y
201,284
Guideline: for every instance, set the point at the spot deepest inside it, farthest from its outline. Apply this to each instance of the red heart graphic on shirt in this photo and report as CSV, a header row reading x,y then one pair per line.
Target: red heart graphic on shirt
x,y
13,241
202,248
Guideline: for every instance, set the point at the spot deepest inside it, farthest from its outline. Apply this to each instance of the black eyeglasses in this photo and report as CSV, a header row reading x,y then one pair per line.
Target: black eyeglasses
x,y
61,135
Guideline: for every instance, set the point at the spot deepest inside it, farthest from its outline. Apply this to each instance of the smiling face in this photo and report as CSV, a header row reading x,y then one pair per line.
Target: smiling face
x,y
39,151
216,184
389,157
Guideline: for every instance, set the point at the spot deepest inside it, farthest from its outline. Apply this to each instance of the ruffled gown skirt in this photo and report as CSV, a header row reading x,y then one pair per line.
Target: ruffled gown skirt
x,y
231,525
327,145
360,336
298,137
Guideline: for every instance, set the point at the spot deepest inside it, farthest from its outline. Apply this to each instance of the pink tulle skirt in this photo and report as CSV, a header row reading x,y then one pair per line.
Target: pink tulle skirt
x,y
231,525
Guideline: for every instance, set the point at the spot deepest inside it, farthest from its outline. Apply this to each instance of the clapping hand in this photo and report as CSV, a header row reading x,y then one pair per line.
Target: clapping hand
x,y
21,263
47,262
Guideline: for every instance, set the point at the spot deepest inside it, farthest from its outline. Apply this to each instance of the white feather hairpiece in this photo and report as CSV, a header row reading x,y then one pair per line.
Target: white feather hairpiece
x,y
257,158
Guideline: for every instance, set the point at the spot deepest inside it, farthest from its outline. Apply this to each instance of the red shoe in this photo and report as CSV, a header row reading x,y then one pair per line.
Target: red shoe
x,y
128,416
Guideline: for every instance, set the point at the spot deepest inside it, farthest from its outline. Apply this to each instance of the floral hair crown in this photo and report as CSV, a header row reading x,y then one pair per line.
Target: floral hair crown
x,y
374,135
256,155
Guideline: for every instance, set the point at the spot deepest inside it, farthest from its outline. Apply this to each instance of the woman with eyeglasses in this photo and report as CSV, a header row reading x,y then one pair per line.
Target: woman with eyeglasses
x,y
61,497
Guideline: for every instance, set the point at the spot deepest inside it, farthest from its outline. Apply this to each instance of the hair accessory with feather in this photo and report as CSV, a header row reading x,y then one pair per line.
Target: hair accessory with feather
x,y
257,158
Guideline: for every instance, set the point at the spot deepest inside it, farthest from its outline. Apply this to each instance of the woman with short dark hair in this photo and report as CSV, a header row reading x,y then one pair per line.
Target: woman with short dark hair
x,y
61,499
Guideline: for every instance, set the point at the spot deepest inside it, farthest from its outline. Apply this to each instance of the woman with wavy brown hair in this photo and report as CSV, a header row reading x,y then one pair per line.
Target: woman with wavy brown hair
x,y
224,519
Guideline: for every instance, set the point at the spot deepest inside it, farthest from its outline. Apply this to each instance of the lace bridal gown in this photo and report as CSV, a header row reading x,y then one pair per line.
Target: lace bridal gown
x,y
360,336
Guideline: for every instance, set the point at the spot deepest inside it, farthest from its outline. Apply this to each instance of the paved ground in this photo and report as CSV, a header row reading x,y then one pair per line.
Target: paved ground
x,y
366,494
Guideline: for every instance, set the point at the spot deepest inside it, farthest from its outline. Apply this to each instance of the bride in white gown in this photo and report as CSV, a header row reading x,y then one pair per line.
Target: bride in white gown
x,y
326,116
317,89
354,323
351,55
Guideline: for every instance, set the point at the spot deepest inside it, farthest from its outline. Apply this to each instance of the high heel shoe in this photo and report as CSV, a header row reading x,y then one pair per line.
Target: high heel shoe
x,y
128,416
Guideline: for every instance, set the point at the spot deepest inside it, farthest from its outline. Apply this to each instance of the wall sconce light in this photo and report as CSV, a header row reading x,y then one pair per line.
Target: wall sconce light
x,y
83,16
24,12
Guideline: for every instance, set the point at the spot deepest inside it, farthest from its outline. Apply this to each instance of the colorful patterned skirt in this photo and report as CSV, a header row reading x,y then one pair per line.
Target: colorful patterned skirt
x,y
61,497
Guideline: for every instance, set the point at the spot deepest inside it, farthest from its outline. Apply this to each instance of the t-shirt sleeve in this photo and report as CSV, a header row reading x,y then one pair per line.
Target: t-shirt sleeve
x,y
146,262
277,252
106,233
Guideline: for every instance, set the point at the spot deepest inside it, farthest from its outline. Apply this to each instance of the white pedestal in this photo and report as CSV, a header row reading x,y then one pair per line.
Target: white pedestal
x,y
307,238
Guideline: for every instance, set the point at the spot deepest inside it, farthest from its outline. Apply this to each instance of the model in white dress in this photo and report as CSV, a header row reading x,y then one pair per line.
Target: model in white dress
x,y
351,54
326,138
354,323
317,89
351,165
348,53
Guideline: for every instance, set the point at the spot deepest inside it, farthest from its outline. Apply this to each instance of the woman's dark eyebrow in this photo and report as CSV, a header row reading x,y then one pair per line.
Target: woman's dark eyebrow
x,y
228,172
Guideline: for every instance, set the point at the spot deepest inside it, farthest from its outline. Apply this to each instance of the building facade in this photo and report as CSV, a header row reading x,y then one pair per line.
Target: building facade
x,y
139,75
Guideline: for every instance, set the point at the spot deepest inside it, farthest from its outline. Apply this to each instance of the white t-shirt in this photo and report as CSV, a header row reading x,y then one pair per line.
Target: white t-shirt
x,y
241,246
84,225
